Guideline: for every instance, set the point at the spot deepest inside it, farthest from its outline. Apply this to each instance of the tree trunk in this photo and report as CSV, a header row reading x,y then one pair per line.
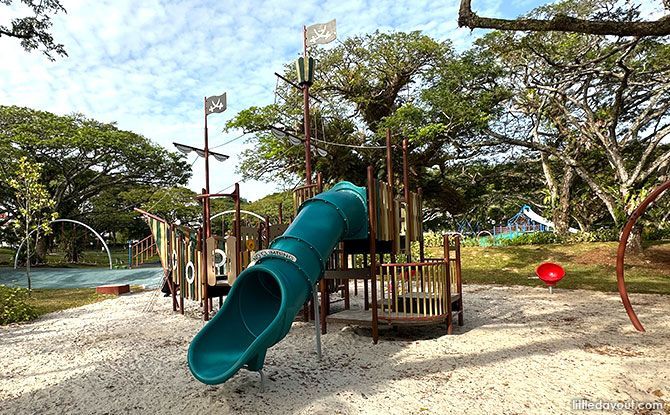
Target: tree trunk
x,y
41,248
561,214
634,244
28,257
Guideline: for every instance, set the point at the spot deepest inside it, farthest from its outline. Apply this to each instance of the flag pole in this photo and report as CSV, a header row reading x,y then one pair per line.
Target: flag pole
x,y
305,91
206,222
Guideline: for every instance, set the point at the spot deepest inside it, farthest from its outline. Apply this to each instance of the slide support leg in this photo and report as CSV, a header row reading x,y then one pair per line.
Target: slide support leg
x,y
317,320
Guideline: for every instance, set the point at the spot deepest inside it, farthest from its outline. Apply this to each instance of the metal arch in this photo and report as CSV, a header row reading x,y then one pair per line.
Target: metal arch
x,y
457,233
227,212
479,234
109,255
621,251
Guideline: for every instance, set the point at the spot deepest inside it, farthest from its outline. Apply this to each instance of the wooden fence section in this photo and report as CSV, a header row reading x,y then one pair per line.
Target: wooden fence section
x,y
418,291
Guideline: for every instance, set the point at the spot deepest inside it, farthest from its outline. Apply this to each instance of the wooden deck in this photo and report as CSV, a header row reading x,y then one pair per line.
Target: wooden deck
x,y
364,318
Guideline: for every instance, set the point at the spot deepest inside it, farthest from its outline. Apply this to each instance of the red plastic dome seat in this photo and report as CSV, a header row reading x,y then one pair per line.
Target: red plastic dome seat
x,y
550,273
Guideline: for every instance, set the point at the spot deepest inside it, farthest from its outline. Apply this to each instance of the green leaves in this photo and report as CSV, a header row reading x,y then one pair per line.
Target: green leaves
x,y
33,31
34,202
14,306
83,160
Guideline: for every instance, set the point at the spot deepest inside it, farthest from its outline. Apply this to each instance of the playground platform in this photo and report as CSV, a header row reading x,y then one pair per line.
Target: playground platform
x,y
362,317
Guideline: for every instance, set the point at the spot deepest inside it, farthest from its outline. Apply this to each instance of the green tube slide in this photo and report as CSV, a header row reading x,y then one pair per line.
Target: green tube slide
x,y
265,298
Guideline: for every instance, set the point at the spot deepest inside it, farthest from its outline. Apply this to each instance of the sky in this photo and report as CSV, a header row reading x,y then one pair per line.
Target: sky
x,y
147,65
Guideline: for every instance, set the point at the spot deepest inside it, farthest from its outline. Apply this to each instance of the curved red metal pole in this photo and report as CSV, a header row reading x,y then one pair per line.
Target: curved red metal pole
x,y
621,251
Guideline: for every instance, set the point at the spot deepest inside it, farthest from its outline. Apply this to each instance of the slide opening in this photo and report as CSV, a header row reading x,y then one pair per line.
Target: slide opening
x,y
259,300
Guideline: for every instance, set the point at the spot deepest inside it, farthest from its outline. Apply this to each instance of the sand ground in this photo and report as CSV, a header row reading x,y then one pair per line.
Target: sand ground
x,y
521,351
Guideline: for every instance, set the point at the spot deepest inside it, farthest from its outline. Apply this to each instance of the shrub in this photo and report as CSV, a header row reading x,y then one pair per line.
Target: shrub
x,y
656,234
599,235
14,307
432,239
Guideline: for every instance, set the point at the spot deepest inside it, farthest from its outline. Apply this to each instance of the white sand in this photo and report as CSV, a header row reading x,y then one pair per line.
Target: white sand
x,y
521,351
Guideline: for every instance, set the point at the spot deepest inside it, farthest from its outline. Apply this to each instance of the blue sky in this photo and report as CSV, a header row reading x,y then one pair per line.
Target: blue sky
x,y
147,65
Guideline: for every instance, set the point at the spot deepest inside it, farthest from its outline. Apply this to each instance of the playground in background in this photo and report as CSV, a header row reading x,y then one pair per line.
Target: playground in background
x,y
526,220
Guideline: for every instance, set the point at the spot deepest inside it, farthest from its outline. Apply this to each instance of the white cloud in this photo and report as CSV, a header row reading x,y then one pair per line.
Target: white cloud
x,y
147,65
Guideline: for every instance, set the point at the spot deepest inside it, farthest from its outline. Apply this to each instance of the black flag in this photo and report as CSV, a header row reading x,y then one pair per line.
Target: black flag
x,y
215,104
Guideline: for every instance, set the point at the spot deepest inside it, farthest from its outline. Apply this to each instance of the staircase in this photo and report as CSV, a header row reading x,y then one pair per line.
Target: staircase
x,y
141,251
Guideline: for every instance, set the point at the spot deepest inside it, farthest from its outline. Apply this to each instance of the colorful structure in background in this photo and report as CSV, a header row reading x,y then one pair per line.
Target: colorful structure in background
x,y
524,221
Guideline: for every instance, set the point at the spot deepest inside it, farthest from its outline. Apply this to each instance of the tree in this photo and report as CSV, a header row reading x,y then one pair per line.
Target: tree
x,y
599,25
33,30
596,105
35,205
360,82
408,82
87,163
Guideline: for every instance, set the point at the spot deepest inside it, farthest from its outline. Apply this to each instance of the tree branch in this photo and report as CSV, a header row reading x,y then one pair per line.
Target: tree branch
x,y
563,23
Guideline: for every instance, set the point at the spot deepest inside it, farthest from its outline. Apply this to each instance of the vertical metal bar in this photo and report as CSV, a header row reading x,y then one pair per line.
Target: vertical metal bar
x,y
238,230
317,320
429,290
459,280
389,178
372,210
203,265
405,180
383,270
447,276
422,245
324,303
390,287
366,300
305,93
399,288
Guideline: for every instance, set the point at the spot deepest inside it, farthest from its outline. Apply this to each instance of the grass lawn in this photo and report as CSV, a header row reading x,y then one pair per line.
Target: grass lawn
x,y
588,266
49,300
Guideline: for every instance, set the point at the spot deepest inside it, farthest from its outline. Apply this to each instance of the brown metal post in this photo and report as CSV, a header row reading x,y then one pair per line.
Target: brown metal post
x,y
323,287
308,144
171,284
373,254
408,207
459,280
203,266
447,259
281,216
621,252
207,227
238,230
366,295
422,245
180,279
389,178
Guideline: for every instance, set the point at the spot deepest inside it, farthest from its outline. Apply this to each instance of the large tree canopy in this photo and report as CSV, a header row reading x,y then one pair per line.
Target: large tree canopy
x,y
408,82
86,164
597,105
